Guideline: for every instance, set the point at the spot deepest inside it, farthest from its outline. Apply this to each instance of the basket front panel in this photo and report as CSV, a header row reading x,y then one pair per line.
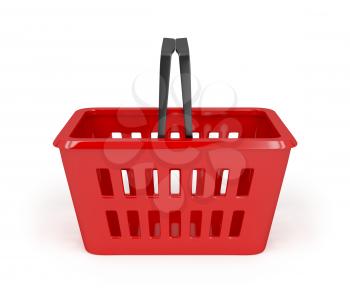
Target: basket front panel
x,y
143,222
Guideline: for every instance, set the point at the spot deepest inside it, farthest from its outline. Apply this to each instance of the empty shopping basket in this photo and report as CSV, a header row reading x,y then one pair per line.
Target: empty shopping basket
x,y
172,181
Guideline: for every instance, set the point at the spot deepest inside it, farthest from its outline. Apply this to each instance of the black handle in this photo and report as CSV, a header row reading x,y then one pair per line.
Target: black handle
x,y
168,47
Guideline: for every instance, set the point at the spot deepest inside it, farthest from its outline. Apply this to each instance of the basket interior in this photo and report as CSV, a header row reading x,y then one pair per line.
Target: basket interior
x,y
143,123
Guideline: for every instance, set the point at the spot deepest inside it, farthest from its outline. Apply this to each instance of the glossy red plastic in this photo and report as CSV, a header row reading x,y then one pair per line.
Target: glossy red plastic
x,y
143,214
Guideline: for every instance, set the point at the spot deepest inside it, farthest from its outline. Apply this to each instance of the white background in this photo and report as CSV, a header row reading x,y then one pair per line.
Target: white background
x,y
58,56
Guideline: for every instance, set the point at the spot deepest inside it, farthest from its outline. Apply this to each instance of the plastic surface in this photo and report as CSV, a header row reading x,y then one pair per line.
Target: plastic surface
x,y
147,195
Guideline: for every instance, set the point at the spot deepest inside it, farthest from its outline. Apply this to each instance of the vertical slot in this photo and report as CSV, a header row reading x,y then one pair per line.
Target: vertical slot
x,y
224,181
194,181
236,223
216,223
154,223
175,224
155,181
105,182
198,182
175,182
195,223
221,182
245,181
128,182
151,182
113,223
134,223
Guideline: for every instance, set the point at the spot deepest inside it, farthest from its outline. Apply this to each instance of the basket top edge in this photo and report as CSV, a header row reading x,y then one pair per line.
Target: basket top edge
x,y
285,140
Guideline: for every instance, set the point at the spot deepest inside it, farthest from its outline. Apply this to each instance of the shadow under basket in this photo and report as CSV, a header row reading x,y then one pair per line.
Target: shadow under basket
x,y
214,193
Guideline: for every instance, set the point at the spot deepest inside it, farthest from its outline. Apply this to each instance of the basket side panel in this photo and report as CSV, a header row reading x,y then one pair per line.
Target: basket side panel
x,y
269,169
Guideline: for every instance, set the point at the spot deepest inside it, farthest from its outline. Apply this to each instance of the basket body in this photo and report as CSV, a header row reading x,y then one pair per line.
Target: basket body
x,y
148,218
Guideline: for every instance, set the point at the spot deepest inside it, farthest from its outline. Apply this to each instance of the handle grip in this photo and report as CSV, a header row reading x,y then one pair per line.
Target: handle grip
x,y
168,47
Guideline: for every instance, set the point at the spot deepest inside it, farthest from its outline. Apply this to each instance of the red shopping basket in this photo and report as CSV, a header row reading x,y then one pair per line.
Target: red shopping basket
x,y
206,181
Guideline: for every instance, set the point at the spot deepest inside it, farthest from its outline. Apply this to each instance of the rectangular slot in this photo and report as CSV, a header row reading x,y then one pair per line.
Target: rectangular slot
x,y
105,182
213,134
128,182
194,181
216,223
113,223
195,134
236,223
151,182
175,182
245,181
136,135
198,182
195,223
224,181
221,182
155,181
116,135
134,223
175,135
175,224
154,223
233,135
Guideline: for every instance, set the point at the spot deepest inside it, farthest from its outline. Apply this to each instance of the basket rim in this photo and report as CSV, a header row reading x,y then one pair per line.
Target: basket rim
x,y
64,141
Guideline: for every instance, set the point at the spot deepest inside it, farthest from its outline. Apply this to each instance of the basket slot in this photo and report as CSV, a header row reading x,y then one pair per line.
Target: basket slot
x,y
175,224
224,181
194,181
226,222
136,135
175,135
134,223
113,223
175,177
117,135
214,134
104,180
151,182
236,223
154,223
154,134
195,135
216,223
198,182
195,223
128,178
234,134
245,181
221,182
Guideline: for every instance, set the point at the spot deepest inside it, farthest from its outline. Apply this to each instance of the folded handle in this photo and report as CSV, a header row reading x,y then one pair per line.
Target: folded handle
x,y
168,47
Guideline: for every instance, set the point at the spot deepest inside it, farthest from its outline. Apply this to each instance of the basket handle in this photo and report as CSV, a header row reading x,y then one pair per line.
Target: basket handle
x,y
168,47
